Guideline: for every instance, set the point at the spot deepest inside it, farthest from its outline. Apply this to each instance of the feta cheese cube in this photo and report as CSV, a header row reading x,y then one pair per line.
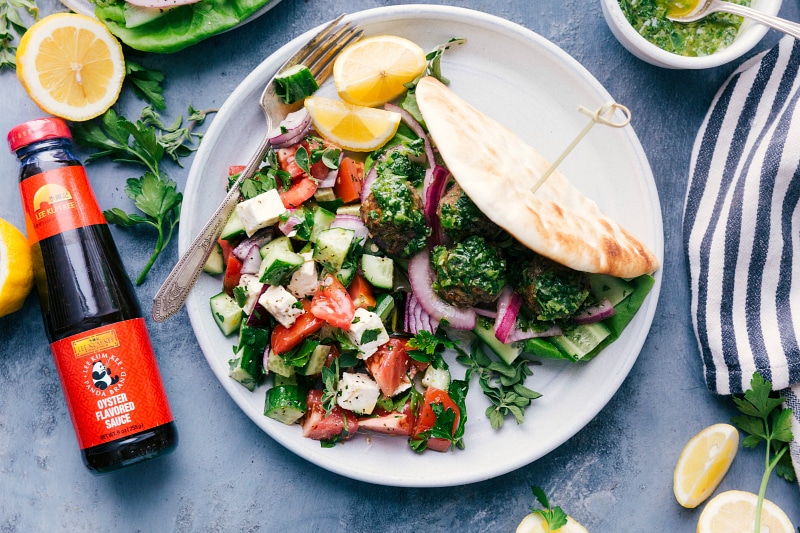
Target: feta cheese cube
x,y
260,211
304,280
367,332
357,392
252,287
281,304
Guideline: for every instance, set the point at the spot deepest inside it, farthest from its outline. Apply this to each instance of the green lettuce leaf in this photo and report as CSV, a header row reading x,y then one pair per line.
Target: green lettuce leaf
x,y
179,27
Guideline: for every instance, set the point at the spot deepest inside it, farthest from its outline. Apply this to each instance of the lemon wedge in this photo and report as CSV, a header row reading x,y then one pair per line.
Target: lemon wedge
x,y
16,268
71,66
734,511
703,463
352,127
534,523
374,70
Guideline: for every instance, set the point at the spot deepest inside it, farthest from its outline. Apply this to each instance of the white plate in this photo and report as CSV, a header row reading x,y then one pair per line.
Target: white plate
x,y
84,7
534,88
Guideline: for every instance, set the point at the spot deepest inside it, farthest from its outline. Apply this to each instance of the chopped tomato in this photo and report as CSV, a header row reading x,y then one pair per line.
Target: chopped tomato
x,y
339,424
301,190
227,248
400,422
349,180
284,339
389,365
235,169
318,170
427,418
361,292
286,161
233,273
332,304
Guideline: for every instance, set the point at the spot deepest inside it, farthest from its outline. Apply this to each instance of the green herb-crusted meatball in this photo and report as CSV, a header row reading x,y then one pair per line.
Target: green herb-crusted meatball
x,y
552,291
393,215
404,161
461,218
470,272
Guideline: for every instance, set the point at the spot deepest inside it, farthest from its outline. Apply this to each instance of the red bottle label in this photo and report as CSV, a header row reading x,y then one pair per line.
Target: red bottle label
x,y
58,200
111,382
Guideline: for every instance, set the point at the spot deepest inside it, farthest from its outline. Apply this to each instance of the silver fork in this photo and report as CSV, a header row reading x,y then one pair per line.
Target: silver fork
x,y
318,55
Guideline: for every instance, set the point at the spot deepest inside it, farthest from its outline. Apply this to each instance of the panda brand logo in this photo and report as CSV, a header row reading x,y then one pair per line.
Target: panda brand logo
x,y
102,376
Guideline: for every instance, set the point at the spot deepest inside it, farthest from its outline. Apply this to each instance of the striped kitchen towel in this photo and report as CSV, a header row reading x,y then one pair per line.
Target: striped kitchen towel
x,y
741,230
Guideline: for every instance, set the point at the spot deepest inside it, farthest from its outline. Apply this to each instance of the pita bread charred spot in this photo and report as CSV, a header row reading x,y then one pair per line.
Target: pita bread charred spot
x,y
557,221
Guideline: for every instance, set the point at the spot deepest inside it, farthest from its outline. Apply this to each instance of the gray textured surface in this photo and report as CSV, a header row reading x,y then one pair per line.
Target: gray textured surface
x,y
614,476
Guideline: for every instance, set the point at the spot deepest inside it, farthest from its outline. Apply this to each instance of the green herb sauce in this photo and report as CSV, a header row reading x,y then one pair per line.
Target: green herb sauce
x,y
704,37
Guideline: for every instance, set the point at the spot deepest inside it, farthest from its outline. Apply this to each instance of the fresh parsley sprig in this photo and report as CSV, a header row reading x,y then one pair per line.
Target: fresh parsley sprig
x,y
146,83
555,517
13,25
763,419
501,383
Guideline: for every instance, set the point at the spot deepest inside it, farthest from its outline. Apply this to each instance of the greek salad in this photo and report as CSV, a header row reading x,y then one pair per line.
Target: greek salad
x,y
344,275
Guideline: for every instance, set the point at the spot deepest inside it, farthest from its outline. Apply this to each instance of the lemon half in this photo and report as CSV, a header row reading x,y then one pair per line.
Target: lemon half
x,y
734,511
534,523
16,268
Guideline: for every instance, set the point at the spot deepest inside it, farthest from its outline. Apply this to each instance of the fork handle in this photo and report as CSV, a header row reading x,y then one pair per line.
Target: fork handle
x,y
776,23
176,287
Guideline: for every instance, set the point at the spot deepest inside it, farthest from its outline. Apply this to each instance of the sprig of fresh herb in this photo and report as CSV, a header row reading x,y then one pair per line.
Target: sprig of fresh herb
x,y
146,83
434,60
763,419
501,383
12,25
427,347
555,517
330,381
143,143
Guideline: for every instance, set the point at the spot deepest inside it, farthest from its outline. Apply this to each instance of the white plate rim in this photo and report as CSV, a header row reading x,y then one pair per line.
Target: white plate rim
x,y
457,475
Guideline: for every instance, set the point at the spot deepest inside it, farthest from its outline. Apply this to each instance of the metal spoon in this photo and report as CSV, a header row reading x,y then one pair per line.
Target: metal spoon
x,y
706,7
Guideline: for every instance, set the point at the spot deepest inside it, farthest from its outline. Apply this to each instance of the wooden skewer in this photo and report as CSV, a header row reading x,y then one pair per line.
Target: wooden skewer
x,y
601,116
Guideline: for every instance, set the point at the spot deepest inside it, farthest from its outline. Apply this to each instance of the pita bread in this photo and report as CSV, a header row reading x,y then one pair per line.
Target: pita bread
x,y
497,170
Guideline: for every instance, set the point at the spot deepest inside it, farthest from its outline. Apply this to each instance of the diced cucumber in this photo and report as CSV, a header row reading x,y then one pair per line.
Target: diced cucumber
x,y
580,340
316,361
322,221
214,264
246,368
226,312
282,242
294,84
611,288
325,194
332,247
484,329
378,270
275,364
279,380
345,275
234,229
436,377
278,266
285,403
352,209
384,305
540,347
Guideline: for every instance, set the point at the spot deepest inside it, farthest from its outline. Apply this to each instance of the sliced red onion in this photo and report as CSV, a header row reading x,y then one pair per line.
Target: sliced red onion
x,y
287,226
260,316
595,313
261,237
330,180
433,195
486,312
296,126
417,319
252,261
351,222
508,305
420,274
416,127
521,335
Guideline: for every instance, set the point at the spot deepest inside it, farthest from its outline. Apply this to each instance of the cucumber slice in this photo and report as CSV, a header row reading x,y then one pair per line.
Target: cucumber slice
x,y
275,364
436,377
581,340
378,270
278,265
214,264
352,209
279,380
285,403
246,368
485,331
539,347
316,361
226,312
295,83
384,305
325,194
234,229
283,243
614,289
345,275
322,221
332,247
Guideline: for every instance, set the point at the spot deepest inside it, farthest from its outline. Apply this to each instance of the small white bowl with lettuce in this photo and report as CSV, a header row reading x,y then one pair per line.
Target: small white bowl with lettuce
x,y
166,26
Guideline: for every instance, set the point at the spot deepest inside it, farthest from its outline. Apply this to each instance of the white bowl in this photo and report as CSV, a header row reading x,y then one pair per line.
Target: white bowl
x,y
750,33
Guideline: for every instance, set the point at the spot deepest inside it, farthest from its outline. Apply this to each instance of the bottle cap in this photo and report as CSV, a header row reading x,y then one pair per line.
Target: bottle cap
x,y
37,130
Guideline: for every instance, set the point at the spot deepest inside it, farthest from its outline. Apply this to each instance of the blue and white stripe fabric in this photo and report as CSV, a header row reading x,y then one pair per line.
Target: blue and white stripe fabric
x,y
741,230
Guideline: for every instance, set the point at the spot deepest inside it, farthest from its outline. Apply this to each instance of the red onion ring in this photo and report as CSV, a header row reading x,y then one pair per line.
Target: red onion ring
x,y
433,196
261,237
521,335
508,305
420,274
287,226
351,222
595,313
252,261
297,125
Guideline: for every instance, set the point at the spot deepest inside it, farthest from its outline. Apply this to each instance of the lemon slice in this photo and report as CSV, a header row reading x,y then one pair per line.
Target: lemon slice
x,y
734,511
372,71
703,463
352,127
534,523
16,268
71,66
